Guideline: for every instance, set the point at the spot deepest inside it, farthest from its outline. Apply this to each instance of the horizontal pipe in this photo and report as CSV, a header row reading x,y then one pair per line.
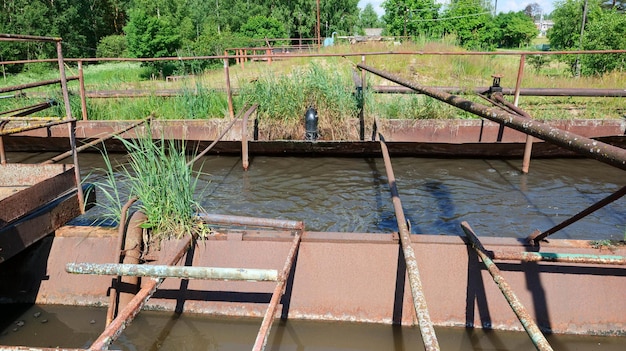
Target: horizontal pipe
x,y
94,142
385,89
251,221
27,128
379,53
20,37
538,339
606,153
34,85
557,257
162,271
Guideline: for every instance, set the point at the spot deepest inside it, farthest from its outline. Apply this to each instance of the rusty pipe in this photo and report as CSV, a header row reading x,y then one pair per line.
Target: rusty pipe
x,y
121,231
538,339
526,256
34,84
126,316
419,301
602,152
251,221
266,325
97,141
537,236
21,37
230,125
554,92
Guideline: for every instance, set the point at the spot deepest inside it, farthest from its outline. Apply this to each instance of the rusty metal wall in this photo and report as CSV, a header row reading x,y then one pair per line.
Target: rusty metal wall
x,y
354,277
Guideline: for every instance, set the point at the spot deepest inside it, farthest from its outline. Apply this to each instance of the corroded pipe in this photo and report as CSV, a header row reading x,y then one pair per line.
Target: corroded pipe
x,y
538,339
266,325
97,141
606,153
537,235
554,92
251,221
34,85
526,256
125,317
36,126
21,37
419,301
163,271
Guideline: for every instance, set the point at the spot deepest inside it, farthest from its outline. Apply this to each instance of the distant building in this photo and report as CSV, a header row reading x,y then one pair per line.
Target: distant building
x,y
373,32
543,26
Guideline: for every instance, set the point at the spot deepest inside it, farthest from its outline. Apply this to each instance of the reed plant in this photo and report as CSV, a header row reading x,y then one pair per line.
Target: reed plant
x,y
158,175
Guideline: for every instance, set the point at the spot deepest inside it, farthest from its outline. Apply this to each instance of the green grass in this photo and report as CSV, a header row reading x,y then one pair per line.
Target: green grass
x,y
158,175
285,88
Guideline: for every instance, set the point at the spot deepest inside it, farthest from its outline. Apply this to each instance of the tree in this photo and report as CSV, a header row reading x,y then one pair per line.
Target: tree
x,y
261,27
412,17
533,11
472,23
515,29
567,17
606,33
368,18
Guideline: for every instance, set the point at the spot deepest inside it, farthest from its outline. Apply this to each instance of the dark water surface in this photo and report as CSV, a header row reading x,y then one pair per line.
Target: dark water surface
x,y
73,327
352,194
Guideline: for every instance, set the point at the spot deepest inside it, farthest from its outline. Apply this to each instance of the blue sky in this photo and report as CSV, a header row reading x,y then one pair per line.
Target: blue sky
x,y
503,5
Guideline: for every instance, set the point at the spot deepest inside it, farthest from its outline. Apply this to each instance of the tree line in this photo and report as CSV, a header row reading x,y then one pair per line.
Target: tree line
x,y
157,28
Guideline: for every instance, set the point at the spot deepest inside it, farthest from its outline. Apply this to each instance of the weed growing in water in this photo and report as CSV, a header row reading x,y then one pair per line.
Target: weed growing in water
x,y
157,174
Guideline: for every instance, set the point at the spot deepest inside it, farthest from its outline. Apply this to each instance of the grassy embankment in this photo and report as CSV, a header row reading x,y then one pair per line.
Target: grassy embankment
x,y
286,88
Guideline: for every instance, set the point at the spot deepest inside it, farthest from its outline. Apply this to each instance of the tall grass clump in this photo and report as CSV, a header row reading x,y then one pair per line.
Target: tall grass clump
x,y
285,98
158,175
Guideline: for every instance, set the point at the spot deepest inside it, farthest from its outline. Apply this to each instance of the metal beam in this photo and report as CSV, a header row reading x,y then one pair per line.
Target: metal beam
x,y
606,153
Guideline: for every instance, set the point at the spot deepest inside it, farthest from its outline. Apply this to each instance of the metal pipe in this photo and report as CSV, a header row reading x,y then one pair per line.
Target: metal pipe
x,y
292,55
83,100
26,110
163,271
20,37
3,156
125,317
606,153
36,126
419,301
121,231
94,142
251,221
244,142
526,256
230,125
537,236
266,325
578,92
34,84
538,339
231,109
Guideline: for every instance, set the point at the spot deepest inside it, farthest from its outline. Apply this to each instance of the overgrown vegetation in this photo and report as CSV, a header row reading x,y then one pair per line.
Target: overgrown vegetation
x,y
158,175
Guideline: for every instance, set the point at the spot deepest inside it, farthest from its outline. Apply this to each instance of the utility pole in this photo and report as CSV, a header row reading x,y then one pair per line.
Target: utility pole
x,y
319,37
582,32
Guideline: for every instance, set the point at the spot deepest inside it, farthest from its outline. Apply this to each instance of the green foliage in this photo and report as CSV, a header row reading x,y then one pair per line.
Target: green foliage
x,y
538,61
112,46
607,33
262,27
567,17
515,29
472,23
160,178
368,18
413,17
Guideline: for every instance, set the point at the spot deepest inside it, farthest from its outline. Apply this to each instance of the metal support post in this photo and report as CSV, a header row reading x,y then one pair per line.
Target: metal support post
x,y
261,338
